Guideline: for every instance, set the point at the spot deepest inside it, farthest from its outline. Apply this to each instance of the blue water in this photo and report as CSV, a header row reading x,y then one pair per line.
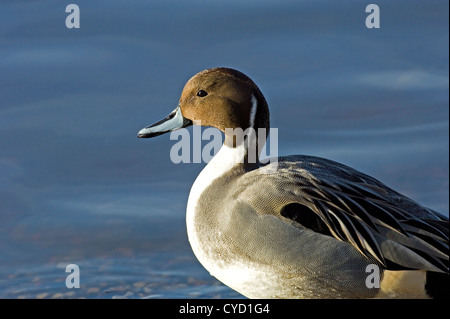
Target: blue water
x,y
78,187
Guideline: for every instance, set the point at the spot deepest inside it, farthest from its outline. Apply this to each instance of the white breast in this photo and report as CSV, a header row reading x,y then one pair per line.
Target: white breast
x,y
223,162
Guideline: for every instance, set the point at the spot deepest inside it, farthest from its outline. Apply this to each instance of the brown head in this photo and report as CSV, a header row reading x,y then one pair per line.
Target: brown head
x,y
219,97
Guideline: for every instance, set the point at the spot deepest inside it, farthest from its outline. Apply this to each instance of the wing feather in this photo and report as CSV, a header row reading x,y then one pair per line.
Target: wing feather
x,y
377,221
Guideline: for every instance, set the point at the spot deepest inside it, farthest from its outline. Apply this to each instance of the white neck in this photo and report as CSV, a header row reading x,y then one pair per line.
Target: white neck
x,y
222,162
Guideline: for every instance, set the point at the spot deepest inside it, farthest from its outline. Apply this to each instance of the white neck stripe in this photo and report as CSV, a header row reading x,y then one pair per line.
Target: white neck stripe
x,y
253,111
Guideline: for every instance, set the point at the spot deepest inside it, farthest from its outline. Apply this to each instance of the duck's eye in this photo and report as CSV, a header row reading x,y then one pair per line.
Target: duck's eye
x,y
202,93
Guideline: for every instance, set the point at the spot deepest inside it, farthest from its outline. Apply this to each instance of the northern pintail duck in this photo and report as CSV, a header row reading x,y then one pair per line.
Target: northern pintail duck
x,y
301,226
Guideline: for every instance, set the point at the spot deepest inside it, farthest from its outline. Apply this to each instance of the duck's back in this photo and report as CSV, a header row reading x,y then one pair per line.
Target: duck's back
x,y
350,180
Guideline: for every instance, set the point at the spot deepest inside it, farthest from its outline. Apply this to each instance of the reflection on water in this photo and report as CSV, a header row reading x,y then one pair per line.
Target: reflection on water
x,y
77,186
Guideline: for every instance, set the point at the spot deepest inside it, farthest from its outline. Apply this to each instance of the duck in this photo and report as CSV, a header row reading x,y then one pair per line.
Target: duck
x,y
298,226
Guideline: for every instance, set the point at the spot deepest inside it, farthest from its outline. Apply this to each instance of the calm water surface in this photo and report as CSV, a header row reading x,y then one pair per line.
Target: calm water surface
x,y
78,187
